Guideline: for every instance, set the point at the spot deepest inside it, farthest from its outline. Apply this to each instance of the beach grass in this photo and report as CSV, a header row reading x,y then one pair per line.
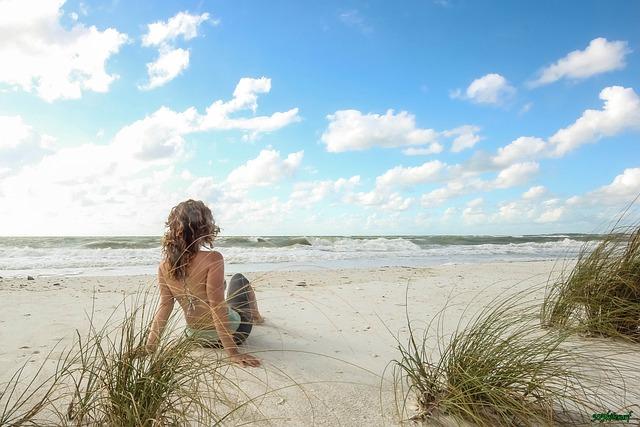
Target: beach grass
x,y
108,377
600,295
117,382
501,368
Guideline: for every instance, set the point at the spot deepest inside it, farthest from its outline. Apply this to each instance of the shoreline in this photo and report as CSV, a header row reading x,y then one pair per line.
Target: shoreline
x,y
269,267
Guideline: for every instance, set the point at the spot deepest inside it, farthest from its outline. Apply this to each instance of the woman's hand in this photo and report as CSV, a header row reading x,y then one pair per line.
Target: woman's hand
x,y
244,359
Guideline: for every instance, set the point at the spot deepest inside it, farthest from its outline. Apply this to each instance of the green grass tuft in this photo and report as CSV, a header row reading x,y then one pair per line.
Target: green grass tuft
x,y
601,294
502,369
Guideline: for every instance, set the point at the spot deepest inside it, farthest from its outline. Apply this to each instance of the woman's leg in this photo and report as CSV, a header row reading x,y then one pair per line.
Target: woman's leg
x,y
241,297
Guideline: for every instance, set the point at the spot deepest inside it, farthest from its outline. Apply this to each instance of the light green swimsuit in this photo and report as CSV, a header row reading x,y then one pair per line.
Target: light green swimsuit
x,y
211,335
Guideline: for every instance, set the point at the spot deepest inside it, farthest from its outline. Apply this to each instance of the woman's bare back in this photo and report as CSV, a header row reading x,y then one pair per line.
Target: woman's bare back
x,y
191,293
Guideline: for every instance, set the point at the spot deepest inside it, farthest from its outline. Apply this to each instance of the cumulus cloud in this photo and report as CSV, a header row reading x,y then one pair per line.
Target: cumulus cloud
x,y
474,213
351,130
183,24
125,184
400,176
158,136
621,112
534,192
40,54
305,194
516,174
467,183
525,210
20,143
171,61
488,89
451,190
162,133
550,214
266,169
245,97
384,194
523,148
464,137
599,57
380,199
624,188
433,148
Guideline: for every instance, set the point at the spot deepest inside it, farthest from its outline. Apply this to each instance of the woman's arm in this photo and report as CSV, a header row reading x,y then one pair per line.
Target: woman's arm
x,y
165,307
220,312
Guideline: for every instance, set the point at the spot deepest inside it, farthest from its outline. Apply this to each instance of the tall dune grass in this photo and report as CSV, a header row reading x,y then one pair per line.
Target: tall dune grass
x,y
117,382
601,294
501,369
107,377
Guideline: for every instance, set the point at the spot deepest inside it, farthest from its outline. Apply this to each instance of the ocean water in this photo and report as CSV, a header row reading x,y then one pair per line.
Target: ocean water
x,y
55,256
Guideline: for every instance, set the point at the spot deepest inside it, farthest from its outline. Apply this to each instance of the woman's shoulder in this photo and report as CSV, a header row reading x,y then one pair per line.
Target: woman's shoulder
x,y
211,256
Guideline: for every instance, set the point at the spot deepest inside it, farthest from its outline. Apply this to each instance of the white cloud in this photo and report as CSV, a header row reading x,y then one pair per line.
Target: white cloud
x,y
512,211
206,188
351,130
397,202
39,53
621,111
170,63
523,148
384,196
400,176
245,96
162,133
307,193
452,189
624,188
14,132
449,213
599,57
266,169
158,136
380,199
125,185
465,137
534,192
433,148
489,89
182,25
551,214
20,144
474,213
469,182
516,174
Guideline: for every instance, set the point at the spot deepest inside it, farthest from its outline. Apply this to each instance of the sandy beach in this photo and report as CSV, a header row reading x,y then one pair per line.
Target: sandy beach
x,y
329,335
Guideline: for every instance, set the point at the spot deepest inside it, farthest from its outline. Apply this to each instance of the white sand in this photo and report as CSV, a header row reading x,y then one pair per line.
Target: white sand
x,y
334,335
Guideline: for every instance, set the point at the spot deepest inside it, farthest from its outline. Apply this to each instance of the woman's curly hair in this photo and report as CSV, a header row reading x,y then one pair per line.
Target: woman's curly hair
x,y
189,226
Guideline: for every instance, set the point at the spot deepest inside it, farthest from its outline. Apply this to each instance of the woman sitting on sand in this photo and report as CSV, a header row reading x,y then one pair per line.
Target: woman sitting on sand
x,y
195,279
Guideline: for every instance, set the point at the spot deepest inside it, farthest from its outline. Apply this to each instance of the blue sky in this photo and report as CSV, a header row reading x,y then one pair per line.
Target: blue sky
x,y
429,117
